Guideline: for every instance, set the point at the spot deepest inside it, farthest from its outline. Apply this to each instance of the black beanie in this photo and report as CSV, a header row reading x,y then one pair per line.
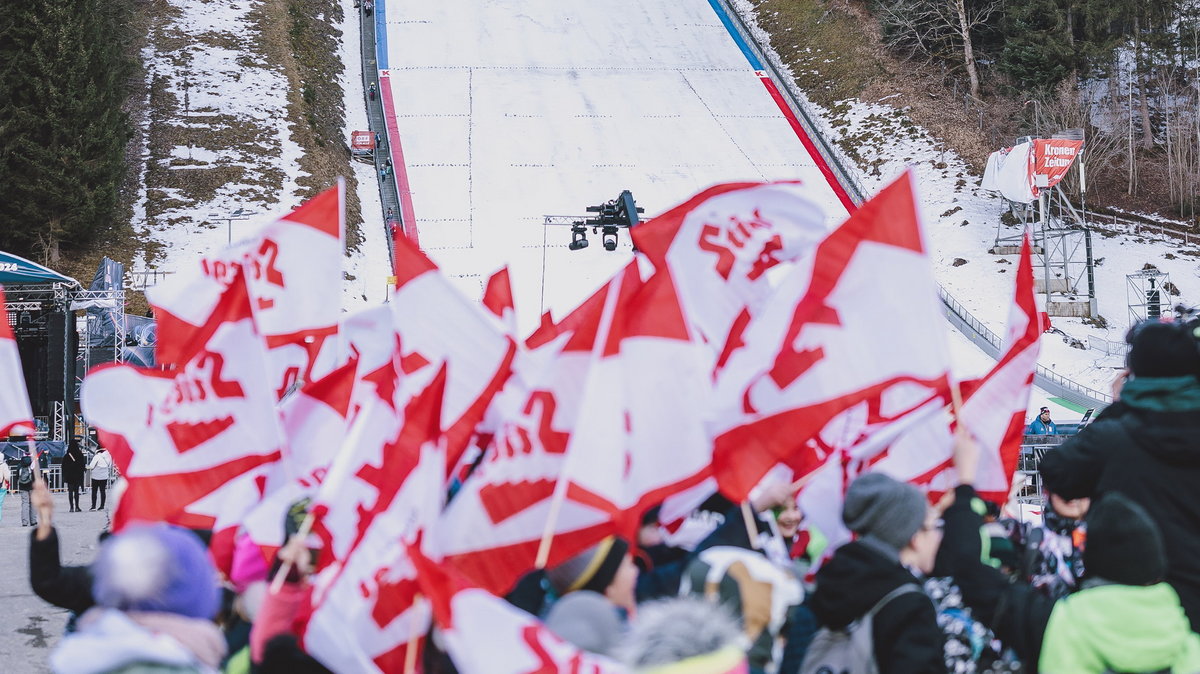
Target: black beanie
x,y
1123,544
1158,349
593,569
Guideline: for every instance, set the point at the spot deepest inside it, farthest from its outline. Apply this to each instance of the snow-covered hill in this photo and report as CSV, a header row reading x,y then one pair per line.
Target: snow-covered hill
x,y
218,140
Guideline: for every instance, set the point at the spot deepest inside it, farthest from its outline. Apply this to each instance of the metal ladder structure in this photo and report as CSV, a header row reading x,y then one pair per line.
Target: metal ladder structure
x,y
389,197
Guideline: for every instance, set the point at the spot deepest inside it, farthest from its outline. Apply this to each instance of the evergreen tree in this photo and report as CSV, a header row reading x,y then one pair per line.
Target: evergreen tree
x,y
63,130
1038,51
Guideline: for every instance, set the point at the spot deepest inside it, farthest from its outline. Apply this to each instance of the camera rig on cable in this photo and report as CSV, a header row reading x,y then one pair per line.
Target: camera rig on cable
x,y
610,218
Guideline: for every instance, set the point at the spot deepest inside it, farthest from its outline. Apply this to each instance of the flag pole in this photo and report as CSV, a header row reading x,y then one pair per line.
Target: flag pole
x,y
956,401
543,553
410,653
302,533
799,484
560,486
751,527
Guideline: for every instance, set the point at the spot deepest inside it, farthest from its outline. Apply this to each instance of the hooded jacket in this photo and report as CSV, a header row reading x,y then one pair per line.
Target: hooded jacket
x,y
1120,628
1102,628
906,635
1148,449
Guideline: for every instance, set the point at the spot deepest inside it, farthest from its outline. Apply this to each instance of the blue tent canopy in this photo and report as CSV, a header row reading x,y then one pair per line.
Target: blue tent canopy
x,y
15,270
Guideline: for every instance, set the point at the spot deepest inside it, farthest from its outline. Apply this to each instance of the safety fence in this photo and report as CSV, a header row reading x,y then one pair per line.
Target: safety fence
x,y
54,479
1033,448
1106,347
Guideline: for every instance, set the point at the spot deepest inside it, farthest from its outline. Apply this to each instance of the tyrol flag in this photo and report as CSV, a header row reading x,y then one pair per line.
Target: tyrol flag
x,y
849,346
179,436
376,496
920,448
469,341
993,409
293,274
16,417
720,246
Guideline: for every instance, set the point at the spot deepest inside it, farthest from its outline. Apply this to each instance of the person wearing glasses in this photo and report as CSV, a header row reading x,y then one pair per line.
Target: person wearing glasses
x,y
898,534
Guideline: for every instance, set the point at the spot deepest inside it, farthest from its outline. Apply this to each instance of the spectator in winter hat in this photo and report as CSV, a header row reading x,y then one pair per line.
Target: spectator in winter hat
x,y
156,594
1146,445
593,587
606,568
1042,425
1124,618
897,531
684,636
588,620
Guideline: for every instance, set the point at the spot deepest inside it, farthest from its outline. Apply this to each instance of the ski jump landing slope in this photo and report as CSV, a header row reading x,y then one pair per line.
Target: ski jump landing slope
x,y
507,111
503,111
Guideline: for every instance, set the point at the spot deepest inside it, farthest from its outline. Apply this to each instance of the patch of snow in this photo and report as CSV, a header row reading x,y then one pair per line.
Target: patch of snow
x,y
215,80
194,153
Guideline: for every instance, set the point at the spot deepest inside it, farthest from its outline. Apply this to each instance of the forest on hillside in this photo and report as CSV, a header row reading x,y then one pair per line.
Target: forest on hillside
x,y
1127,72
65,67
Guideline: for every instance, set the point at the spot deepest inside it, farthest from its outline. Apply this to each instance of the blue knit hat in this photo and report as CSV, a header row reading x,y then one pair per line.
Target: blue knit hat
x,y
156,568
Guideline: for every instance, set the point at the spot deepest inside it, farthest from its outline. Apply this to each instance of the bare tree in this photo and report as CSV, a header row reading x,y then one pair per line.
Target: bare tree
x,y
1143,94
1104,144
964,27
937,29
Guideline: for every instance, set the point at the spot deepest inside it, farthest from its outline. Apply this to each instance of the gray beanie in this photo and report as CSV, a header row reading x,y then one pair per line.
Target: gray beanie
x,y
586,619
885,509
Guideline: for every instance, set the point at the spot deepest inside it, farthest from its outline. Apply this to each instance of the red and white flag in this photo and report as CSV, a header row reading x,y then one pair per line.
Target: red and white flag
x,y
314,422
627,382
530,369
373,500
1006,389
294,277
483,634
436,325
920,449
719,246
179,436
993,409
16,417
850,344
498,300
318,417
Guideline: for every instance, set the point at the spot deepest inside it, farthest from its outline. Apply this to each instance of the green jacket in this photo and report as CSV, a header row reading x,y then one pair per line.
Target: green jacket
x,y
1117,628
1120,628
